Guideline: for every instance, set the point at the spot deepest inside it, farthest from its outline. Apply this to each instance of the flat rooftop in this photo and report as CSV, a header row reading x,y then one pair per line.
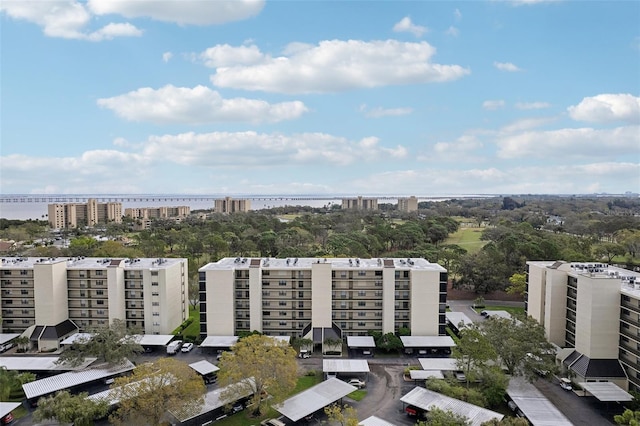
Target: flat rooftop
x,y
314,399
336,263
427,341
345,366
82,262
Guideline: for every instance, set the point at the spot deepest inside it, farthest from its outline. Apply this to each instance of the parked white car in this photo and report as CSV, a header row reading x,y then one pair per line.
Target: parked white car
x,y
566,384
357,383
187,347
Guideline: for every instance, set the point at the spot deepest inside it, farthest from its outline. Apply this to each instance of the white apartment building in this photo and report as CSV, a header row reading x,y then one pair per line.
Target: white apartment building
x,y
307,296
408,204
91,213
149,294
593,311
360,203
230,205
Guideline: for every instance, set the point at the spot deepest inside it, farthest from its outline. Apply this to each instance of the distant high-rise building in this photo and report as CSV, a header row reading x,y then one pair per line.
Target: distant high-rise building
x,y
91,213
229,205
360,203
408,204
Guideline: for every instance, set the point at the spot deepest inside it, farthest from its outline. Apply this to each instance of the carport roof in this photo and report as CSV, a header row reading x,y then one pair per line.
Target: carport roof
x,y
77,337
606,391
204,367
345,366
425,374
428,400
375,421
314,399
7,407
40,363
153,339
456,318
535,406
441,364
219,341
361,342
73,378
7,337
427,341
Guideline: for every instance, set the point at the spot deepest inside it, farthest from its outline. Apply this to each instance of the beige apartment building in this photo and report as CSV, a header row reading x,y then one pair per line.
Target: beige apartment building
x,y
304,297
149,294
144,216
408,204
91,213
230,205
592,311
360,203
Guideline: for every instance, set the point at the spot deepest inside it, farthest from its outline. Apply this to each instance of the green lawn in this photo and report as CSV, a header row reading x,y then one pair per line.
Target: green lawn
x,y
512,310
194,328
467,238
243,419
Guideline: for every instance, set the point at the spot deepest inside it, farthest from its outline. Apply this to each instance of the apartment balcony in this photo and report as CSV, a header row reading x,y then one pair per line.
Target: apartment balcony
x,y
129,295
631,333
630,347
133,286
630,320
632,305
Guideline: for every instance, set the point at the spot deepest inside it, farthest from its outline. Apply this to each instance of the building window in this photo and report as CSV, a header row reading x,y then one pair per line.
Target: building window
x,y
282,303
154,273
301,294
100,292
362,293
24,291
282,323
266,303
362,314
283,313
99,273
23,272
154,283
99,302
155,303
155,293
282,293
362,273
282,282
362,303
156,314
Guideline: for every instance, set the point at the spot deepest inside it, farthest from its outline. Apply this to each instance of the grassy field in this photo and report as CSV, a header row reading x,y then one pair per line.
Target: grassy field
x,y
511,309
467,238
243,419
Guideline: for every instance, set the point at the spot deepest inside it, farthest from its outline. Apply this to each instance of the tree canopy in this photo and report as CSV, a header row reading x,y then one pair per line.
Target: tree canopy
x,y
155,388
258,365
66,408
111,344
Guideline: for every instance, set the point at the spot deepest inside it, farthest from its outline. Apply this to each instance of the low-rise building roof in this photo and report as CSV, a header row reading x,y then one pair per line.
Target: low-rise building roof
x,y
314,399
345,366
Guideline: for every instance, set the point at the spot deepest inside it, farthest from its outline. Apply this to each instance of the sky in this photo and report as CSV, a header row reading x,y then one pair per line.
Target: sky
x,y
331,97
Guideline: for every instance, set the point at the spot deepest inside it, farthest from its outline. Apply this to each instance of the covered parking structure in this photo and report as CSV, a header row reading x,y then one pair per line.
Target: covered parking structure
x,y
206,369
6,408
361,346
375,421
218,344
152,342
532,404
6,341
458,320
606,391
342,367
433,346
426,400
213,407
74,379
315,398
41,365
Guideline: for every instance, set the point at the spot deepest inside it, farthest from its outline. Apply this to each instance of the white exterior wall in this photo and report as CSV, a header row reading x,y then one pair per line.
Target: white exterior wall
x,y
537,278
255,299
388,300
555,316
220,307
173,298
321,294
598,317
115,294
425,302
50,293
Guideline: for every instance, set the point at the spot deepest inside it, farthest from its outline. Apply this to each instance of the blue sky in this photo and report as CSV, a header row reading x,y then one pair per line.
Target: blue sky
x,y
320,97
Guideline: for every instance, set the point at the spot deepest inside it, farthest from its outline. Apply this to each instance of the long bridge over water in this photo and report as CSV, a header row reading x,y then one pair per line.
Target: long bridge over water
x,y
123,198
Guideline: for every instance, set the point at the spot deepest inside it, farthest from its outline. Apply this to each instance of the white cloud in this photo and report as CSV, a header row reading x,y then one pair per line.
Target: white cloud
x,y
607,108
452,31
220,149
462,149
493,104
65,19
506,66
532,105
183,12
570,143
224,55
457,14
526,124
198,105
335,65
379,112
405,25
166,56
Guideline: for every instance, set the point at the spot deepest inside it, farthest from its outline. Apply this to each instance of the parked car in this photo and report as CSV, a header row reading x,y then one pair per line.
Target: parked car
x,y
357,383
174,347
303,353
566,384
485,314
187,347
6,419
460,376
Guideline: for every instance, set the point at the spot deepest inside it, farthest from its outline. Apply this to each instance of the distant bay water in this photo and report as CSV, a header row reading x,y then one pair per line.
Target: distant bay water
x,y
24,207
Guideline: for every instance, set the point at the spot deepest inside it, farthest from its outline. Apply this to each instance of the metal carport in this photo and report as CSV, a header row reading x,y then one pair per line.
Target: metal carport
x,y
606,391
534,405
313,399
